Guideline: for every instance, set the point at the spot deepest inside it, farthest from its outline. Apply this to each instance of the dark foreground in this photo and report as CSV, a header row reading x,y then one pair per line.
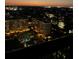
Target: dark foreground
x,y
62,48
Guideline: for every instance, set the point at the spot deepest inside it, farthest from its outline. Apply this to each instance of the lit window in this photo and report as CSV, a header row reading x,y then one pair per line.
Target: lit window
x,y
11,8
61,24
15,8
7,8
71,7
49,37
70,31
58,6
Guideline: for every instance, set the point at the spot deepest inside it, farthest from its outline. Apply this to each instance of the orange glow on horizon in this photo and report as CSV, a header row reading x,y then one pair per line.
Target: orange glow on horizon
x,y
38,3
